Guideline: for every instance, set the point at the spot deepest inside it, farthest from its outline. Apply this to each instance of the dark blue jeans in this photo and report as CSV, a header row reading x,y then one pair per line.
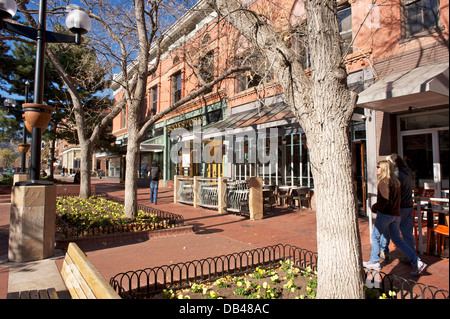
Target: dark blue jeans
x,y
383,224
406,229
153,191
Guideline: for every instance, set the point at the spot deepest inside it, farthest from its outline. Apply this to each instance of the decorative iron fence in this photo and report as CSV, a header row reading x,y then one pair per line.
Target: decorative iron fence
x,y
404,288
144,283
186,190
237,196
208,192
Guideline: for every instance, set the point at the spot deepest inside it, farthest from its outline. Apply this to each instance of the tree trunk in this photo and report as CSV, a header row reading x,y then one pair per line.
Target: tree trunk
x,y
323,105
85,170
338,241
131,175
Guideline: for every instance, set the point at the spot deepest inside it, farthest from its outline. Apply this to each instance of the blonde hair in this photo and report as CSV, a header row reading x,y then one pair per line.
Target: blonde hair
x,y
387,171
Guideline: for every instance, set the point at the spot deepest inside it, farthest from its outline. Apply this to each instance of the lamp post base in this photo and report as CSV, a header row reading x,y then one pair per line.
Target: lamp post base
x,y
32,223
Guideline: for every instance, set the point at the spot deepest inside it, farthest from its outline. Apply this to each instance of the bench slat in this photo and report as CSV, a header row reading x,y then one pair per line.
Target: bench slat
x,y
79,268
77,281
43,294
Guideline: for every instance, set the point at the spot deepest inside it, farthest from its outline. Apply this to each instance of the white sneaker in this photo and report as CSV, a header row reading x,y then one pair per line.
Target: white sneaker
x,y
419,268
370,266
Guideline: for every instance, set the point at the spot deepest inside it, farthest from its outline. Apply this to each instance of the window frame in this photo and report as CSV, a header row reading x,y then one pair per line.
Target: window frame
x,y
176,91
422,29
154,100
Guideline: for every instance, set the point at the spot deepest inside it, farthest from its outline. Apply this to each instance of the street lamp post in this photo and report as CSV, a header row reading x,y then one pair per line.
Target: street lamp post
x,y
33,202
24,137
79,23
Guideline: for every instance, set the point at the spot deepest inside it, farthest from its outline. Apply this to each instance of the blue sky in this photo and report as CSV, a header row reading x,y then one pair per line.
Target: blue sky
x,y
76,2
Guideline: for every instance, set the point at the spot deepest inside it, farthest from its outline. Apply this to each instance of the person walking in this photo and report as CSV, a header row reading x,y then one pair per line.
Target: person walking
x,y
154,174
387,208
403,173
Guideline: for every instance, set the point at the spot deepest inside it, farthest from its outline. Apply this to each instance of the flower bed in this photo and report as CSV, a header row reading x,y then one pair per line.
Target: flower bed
x,y
77,217
284,281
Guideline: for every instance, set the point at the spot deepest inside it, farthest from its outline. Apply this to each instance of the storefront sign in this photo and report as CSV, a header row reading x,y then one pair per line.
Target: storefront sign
x,y
186,124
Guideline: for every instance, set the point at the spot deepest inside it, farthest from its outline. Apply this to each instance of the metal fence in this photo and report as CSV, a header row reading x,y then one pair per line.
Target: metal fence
x,y
144,283
208,192
237,196
404,288
186,190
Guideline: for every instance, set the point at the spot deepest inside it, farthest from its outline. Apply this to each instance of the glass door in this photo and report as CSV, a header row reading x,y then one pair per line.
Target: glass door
x,y
424,145
426,154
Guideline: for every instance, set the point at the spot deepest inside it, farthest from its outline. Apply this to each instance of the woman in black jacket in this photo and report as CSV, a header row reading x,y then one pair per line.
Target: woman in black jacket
x,y
388,219
403,173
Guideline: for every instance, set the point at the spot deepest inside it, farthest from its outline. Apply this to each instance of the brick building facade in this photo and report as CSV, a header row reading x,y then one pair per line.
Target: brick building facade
x,y
392,41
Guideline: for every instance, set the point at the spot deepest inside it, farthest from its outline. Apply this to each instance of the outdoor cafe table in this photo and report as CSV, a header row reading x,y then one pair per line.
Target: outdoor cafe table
x,y
430,215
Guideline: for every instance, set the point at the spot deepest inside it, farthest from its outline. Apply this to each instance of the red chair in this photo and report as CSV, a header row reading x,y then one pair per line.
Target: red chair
x,y
441,232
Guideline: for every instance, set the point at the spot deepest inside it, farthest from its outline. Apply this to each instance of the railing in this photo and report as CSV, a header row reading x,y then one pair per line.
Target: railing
x,y
242,197
144,283
237,196
208,195
186,190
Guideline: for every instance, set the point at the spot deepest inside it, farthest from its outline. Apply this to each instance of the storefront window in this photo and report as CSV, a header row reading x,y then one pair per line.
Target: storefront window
x,y
425,147
424,121
285,162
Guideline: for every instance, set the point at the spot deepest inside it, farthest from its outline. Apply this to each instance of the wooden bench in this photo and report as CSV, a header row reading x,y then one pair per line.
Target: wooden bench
x,y
82,280
49,293
81,277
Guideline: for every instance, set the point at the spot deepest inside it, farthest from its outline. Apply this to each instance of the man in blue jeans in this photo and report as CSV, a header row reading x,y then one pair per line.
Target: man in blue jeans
x,y
154,174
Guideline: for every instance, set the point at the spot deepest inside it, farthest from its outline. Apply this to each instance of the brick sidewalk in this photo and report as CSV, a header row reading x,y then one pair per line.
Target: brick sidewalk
x,y
216,234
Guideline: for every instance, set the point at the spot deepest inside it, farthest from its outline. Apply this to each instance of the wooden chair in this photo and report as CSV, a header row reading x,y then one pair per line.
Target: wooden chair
x,y
441,232
301,194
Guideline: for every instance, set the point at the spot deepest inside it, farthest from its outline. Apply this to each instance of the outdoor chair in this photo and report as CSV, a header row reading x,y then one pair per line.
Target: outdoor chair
x,y
441,232
301,194
269,196
284,195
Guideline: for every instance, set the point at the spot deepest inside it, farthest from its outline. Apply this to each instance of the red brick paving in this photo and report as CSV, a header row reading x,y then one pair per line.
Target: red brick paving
x,y
215,234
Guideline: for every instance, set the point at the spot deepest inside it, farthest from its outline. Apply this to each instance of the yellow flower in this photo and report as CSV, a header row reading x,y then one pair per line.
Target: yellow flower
x,y
213,294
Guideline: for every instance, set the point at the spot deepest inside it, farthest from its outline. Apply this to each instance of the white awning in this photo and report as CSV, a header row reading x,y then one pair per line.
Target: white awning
x,y
418,88
152,147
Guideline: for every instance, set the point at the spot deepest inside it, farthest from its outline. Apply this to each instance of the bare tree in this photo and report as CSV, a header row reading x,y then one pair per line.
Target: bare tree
x,y
143,21
29,11
323,105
